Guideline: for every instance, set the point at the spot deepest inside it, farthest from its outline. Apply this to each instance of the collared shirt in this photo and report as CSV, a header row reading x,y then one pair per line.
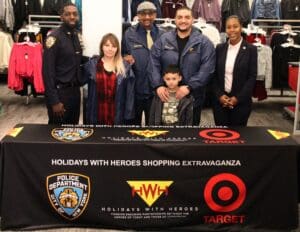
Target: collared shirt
x,y
229,66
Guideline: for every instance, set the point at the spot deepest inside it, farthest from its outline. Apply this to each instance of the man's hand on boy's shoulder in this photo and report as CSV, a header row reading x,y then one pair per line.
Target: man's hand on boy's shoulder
x,y
182,92
163,93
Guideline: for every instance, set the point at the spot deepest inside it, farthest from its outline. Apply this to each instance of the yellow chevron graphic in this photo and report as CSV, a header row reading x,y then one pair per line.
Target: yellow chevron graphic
x,y
279,134
148,133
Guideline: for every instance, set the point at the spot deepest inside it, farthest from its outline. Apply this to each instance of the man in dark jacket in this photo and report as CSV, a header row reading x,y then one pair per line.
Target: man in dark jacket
x,y
193,52
136,50
61,69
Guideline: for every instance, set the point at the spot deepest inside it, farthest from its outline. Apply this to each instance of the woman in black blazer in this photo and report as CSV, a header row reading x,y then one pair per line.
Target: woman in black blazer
x,y
235,75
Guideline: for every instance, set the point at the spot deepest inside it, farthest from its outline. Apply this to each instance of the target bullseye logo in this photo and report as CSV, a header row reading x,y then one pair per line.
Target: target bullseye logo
x,y
224,192
219,134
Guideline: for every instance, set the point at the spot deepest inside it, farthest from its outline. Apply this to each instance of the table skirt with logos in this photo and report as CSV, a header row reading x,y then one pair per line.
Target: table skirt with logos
x,y
148,178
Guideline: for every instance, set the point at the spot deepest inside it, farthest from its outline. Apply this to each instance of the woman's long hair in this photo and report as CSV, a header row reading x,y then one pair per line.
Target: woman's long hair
x,y
118,61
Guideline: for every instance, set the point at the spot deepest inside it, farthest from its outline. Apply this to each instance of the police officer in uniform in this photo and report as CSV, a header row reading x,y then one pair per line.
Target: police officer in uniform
x,y
61,69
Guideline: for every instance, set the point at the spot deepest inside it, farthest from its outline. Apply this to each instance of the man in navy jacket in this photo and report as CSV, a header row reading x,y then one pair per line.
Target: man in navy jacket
x,y
137,52
192,52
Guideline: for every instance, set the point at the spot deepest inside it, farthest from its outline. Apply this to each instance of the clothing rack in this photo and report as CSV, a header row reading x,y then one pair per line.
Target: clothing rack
x,y
41,21
278,26
253,21
46,21
173,20
165,19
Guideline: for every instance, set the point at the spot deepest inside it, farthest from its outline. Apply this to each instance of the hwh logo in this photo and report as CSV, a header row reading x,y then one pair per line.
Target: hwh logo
x,y
149,191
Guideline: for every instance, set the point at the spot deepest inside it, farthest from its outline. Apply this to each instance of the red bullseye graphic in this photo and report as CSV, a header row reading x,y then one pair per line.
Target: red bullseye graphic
x,y
225,193
219,134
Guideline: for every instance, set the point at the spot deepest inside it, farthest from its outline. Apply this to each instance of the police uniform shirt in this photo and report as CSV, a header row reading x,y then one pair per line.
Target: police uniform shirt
x,y
61,61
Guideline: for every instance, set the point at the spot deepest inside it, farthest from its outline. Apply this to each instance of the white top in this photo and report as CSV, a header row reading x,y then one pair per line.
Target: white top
x,y
210,31
264,65
6,43
230,61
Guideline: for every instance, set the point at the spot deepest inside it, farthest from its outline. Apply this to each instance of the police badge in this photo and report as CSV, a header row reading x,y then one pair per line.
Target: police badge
x,y
71,134
68,193
50,41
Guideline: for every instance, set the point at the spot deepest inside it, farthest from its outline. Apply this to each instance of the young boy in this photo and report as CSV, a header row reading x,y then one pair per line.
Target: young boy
x,y
174,111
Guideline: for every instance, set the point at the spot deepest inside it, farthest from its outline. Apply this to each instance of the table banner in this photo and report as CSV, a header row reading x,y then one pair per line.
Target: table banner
x,y
149,178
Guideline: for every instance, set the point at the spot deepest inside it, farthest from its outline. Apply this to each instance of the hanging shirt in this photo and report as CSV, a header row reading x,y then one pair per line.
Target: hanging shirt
x,y
253,37
169,7
6,43
7,13
240,8
210,10
268,9
22,8
52,7
281,57
264,65
126,11
25,62
211,32
290,10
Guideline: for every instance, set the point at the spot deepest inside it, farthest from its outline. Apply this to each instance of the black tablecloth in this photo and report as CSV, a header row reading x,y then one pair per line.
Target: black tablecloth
x,y
202,179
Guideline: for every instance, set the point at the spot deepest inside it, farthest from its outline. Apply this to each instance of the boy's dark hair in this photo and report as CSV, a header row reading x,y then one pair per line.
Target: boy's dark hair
x,y
61,10
172,68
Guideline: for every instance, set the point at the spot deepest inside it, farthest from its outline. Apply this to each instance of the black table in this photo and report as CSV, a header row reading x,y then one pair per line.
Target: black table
x,y
202,179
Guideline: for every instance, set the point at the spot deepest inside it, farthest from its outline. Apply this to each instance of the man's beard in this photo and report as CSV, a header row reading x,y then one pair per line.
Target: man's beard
x,y
71,26
184,30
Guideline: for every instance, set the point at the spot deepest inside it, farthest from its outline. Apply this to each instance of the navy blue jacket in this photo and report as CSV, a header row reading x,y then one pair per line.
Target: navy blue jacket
x,y
124,100
197,61
134,43
244,72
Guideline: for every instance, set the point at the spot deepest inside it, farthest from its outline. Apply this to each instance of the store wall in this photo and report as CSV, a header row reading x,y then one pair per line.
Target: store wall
x,y
99,18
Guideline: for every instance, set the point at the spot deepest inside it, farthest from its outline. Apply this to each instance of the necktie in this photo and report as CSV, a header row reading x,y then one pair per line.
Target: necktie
x,y
149,39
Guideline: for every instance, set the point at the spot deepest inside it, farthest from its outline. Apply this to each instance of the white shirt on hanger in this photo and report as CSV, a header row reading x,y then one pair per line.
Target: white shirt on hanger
x,y
189,3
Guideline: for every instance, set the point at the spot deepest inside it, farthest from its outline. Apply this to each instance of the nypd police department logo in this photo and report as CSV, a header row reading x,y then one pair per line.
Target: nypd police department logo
x,y
68,193
71,134
50,41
